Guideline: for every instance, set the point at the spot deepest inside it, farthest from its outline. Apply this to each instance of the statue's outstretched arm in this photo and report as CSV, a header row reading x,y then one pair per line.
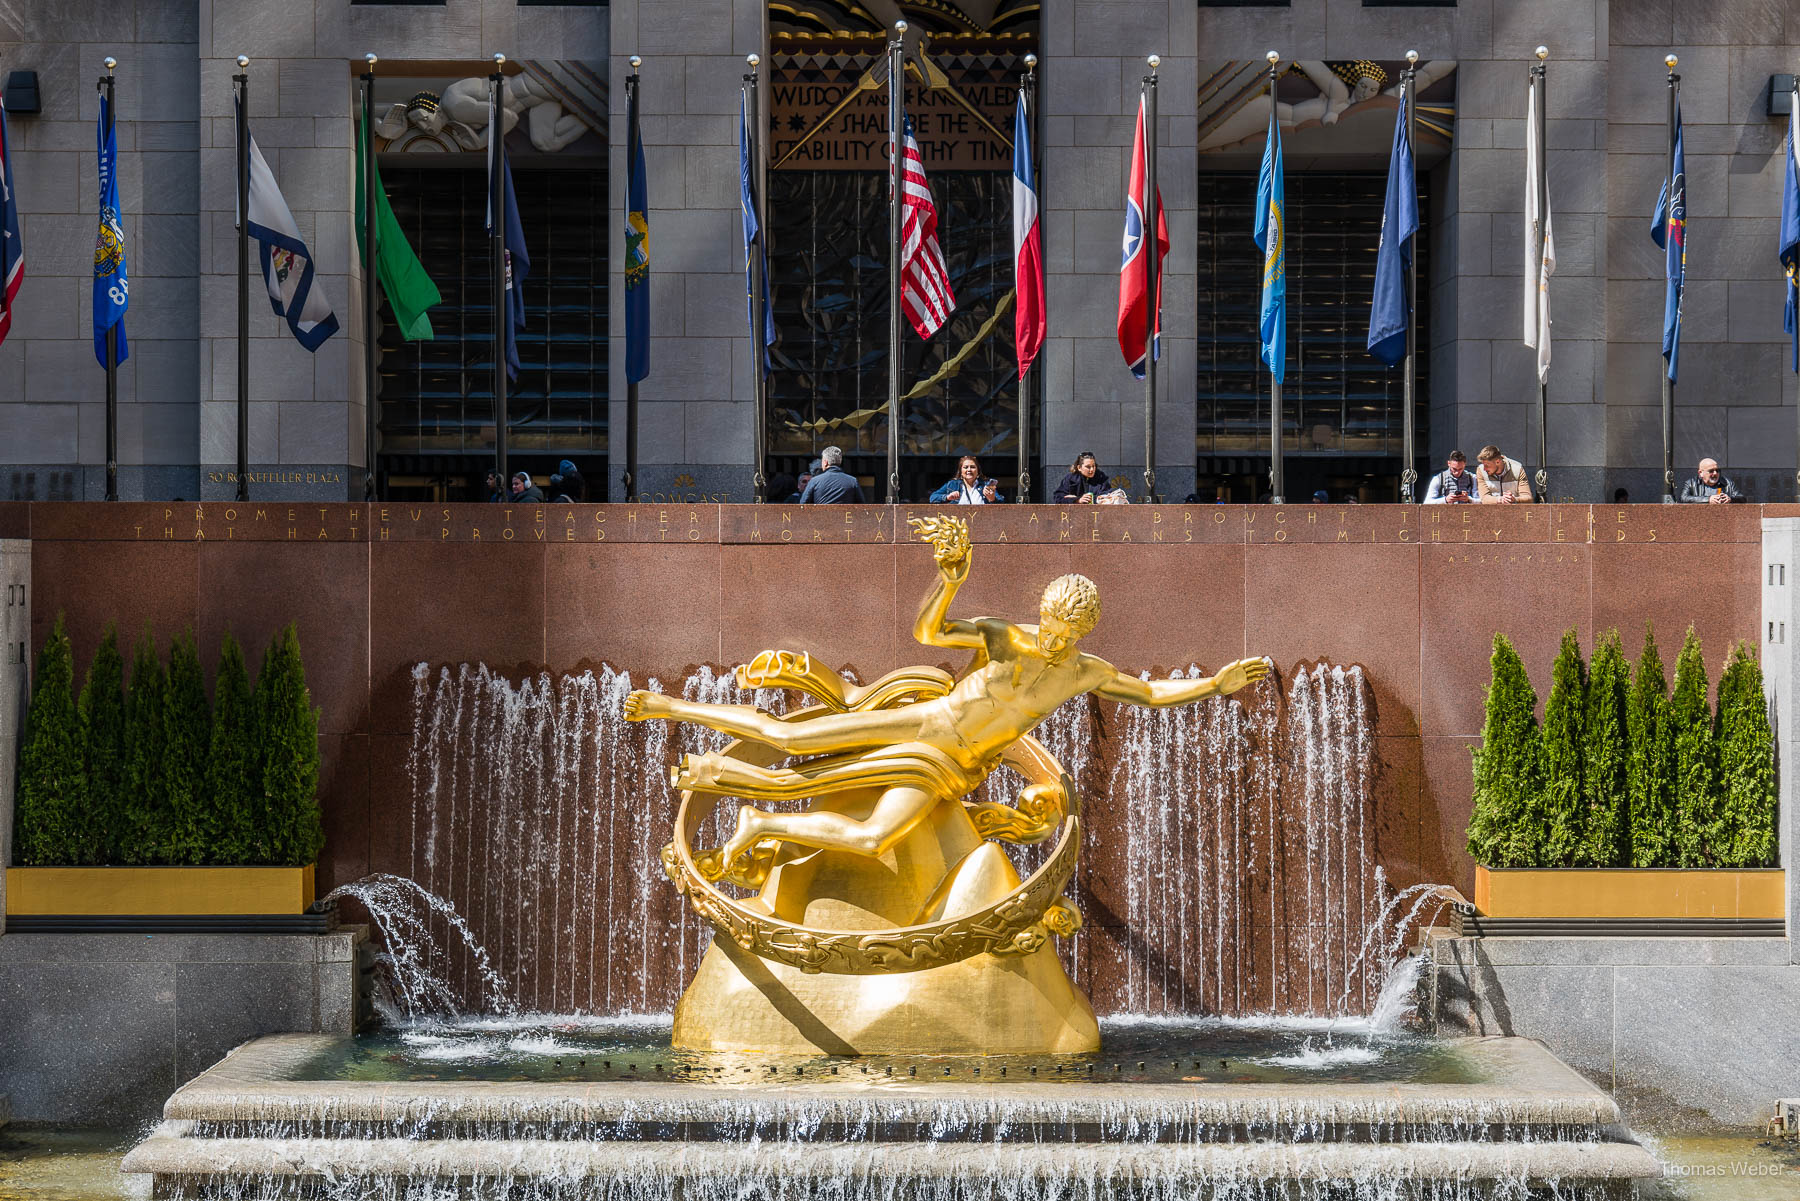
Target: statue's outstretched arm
x,y
949,538
1159,694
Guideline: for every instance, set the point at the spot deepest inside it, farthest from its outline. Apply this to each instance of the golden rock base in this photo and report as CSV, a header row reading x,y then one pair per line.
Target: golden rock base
x,y
984,1005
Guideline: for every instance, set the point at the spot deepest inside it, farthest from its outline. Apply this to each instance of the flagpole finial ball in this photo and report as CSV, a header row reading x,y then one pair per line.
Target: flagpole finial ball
x,y
371,59
1155,61
753,59
1542,52
1670,62
109,62
1274,56
499,59
900,28
1412,58
636,62
1031,61
243,60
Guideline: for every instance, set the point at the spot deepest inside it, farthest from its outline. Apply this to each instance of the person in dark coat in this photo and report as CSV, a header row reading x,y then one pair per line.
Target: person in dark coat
x,y
1085,482
568,484
833,485
524,492
496,488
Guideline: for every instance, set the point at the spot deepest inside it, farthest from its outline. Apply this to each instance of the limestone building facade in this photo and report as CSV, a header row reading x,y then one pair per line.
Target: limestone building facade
x,y
1735,400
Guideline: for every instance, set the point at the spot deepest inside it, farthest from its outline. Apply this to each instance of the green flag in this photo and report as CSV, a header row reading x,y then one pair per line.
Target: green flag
x,y
409,290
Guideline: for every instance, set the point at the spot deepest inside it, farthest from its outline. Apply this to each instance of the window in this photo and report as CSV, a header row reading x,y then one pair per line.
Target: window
x,y
437,397
1339,402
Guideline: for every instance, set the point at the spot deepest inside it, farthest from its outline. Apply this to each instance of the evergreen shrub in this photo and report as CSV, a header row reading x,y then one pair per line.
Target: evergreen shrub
x,y
51,816
1605,811
1508,767
1650,765
1747,836
1559,819
154,774
1696,761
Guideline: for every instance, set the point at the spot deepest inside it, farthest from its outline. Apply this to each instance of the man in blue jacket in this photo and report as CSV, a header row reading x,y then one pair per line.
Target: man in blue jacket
x,y
967,487
832,486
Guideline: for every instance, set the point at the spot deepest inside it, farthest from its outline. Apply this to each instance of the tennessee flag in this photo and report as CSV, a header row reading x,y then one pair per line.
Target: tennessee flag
x,y
1029,324
1134,301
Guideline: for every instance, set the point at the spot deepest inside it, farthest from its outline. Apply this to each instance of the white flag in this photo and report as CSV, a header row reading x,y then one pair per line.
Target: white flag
x,y
287,265
1537,272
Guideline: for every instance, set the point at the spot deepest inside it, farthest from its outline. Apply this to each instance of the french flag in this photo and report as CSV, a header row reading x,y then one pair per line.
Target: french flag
x,y
1028,248
12,246
1134,305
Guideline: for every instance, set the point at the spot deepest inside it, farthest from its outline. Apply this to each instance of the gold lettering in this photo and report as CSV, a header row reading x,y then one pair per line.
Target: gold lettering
x,y
1344,535
1652,537
1157,535
1405,534
475,534
1560,535
385,532
506,535
1281,535
1620,537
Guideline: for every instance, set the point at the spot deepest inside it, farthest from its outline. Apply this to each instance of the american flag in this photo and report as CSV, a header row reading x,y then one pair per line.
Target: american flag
x,y
924,282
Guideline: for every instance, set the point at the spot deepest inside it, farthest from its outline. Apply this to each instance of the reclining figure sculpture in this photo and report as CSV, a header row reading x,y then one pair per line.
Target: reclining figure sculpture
x,y
888,872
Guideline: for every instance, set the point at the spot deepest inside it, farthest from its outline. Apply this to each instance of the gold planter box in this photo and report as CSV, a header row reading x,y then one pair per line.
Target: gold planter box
x,y
122,891
1525,892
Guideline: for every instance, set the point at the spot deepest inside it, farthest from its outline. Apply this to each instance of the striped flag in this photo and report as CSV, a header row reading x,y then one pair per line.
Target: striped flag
x,y
924,282
12,245
1029,324
1134,266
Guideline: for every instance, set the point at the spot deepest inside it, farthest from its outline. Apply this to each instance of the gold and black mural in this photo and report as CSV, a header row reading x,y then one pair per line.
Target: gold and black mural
x,y
827,204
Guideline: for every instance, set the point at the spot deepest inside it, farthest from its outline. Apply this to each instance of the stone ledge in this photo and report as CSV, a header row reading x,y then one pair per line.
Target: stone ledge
x,y
1448,949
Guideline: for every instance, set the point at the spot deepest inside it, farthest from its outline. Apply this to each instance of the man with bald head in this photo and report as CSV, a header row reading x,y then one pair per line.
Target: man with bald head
x,y
1708,487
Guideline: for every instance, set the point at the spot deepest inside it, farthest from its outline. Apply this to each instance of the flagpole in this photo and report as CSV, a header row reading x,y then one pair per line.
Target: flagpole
x,y
1408,475
1668,388
759,290
896,119
242,80
631,385
497,253
1028,85
1152,234
1277,469
112,331
1540,85
371,321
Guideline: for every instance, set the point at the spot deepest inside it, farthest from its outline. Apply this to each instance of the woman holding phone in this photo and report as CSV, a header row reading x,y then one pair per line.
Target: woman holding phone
x,y
967,487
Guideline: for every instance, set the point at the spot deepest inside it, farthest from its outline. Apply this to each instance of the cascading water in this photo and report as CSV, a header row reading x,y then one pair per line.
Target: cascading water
x,y
1230,865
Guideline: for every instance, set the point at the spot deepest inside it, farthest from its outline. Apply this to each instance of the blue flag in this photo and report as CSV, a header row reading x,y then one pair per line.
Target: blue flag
x,y
1391,313
1790,230
511,314
112,290
637,247
1271,236
1669,230
753,243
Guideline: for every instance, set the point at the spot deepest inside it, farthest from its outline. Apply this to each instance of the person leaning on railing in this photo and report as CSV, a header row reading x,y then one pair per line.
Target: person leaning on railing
x,y
1708,487
1085,484
1500,480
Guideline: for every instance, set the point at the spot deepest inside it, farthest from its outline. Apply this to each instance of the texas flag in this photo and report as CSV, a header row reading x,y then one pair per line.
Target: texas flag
x,y
1133,284
1029,323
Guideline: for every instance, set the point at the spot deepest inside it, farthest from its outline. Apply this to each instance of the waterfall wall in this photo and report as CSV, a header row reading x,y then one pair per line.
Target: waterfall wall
x,y
1231,863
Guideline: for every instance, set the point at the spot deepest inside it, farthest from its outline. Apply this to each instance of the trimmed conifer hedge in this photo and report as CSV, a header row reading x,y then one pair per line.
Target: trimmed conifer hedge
x,y
153,773
1623,773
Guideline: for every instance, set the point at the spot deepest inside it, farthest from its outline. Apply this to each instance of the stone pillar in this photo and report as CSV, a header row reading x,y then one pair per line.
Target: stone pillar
x,y
1780,636
1094,55
15,689
696,405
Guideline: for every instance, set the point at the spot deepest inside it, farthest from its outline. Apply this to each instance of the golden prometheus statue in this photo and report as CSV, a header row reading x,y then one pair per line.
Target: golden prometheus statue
x,y
881,917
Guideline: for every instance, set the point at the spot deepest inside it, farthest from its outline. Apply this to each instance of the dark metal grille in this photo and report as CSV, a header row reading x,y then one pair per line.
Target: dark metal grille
x,y
1340,401
437,397
828,266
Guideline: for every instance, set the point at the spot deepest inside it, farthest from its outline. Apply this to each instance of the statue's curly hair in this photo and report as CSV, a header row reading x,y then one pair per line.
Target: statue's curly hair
x,y
1075,600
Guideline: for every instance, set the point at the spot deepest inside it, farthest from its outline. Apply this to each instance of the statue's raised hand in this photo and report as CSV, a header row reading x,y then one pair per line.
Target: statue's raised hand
x,y
1234,676
949,538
